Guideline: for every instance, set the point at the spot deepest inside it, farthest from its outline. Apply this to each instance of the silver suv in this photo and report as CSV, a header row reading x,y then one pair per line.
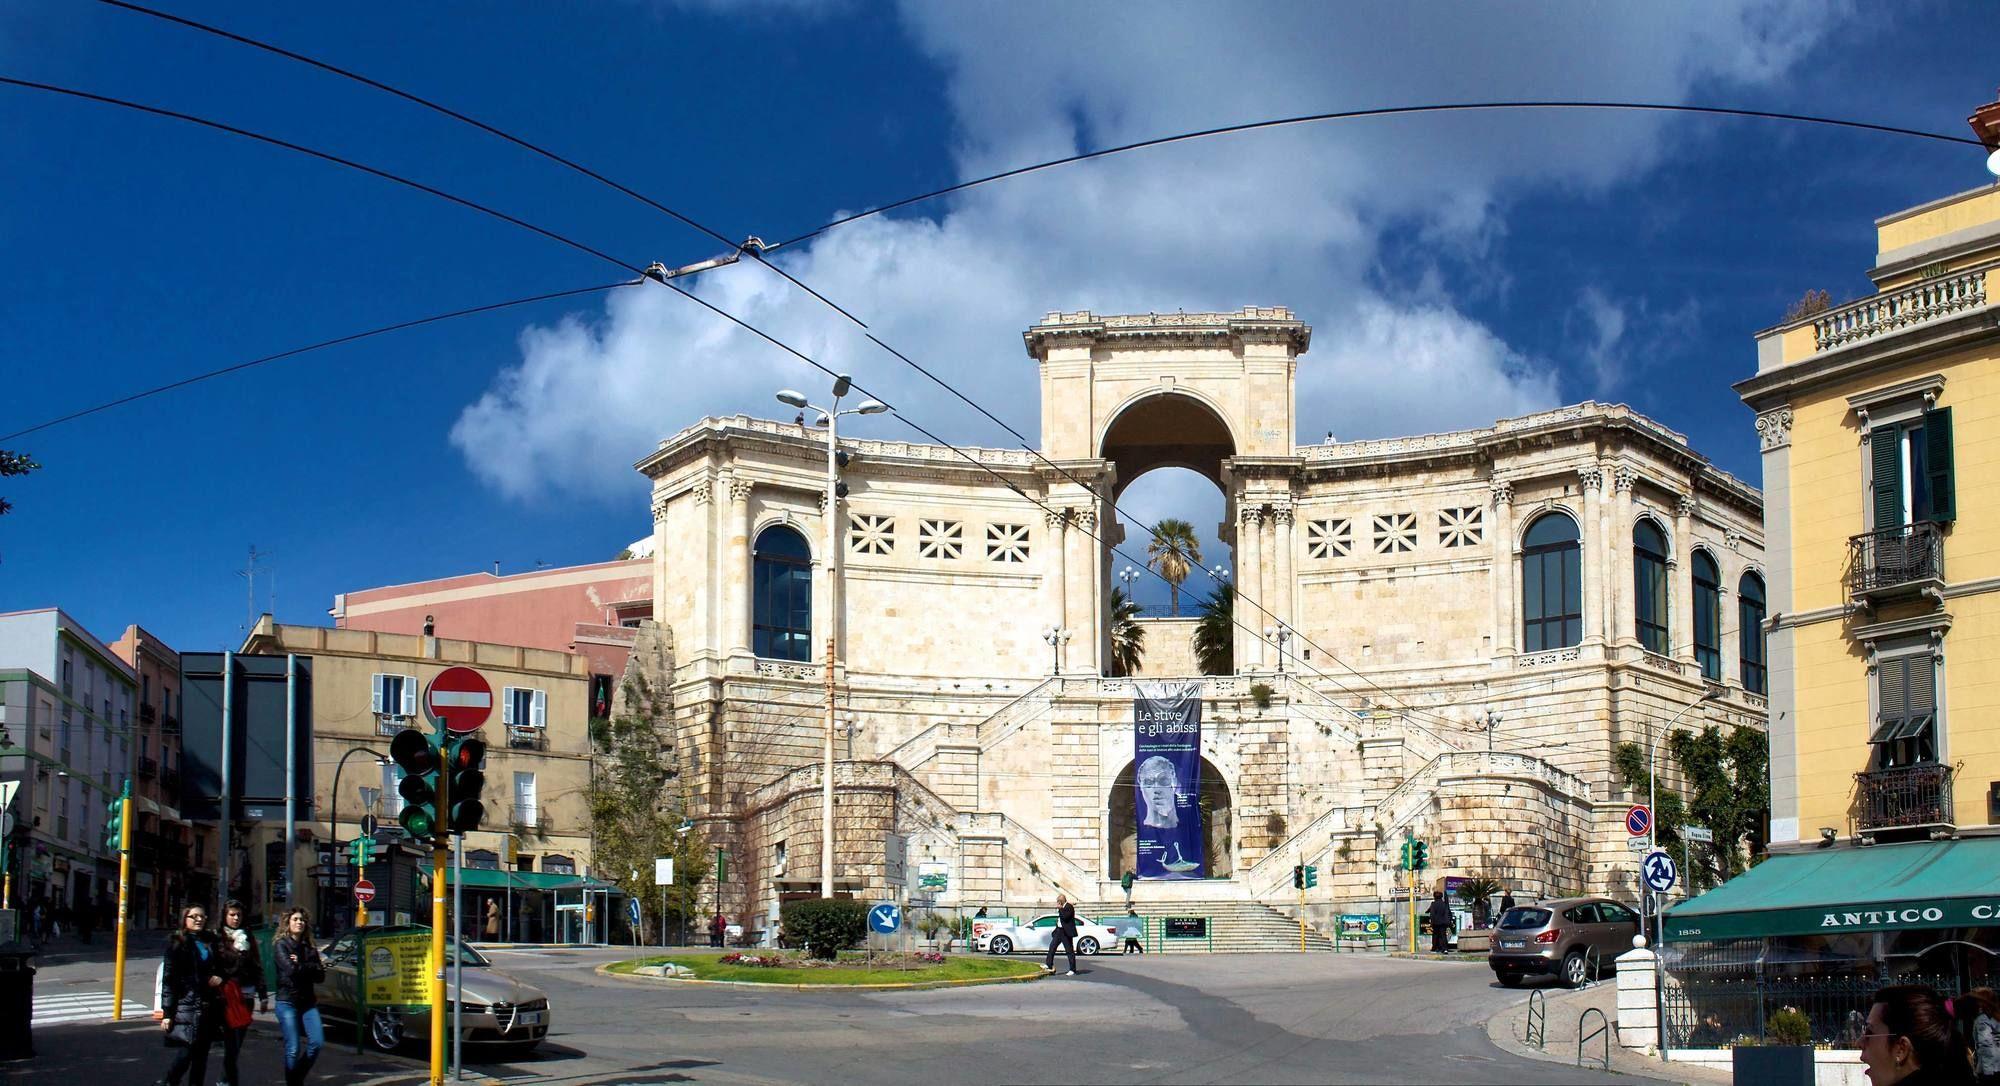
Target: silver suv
x,y
1557,937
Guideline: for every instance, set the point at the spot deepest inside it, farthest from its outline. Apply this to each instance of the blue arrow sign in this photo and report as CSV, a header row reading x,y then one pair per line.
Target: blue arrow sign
x,y
885,918
1659,870
632,910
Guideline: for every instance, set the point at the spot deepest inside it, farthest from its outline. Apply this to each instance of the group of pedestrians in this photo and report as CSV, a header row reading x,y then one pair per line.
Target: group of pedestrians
x,y
50,919
212,986
1917,1037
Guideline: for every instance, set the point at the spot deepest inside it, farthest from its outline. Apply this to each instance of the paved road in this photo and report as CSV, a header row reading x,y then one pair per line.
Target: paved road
x,y
1156,1019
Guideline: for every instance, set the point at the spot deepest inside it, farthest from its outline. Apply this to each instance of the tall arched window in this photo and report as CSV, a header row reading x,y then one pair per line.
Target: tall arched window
x,y
1649,586
1750,635
1707,616
781,595
1551,585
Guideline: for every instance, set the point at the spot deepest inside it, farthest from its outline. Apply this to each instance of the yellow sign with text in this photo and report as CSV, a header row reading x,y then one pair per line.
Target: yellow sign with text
x,y
395,969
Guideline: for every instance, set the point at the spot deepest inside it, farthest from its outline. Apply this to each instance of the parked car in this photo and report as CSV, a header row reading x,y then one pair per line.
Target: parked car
x,y
1557,937
499,1010
1033,936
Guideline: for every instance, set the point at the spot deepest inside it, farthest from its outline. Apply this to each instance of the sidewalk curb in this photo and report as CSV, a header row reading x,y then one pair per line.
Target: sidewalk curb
x,y
605,971
1501,1030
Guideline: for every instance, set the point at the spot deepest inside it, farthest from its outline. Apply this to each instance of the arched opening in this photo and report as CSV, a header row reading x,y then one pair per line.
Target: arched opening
x,y
1218,823
1551,584
1707,616
1168,449
1649,587
1750,632
781,595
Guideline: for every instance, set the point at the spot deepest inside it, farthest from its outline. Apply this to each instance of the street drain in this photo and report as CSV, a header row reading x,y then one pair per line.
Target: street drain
x,y
1471,1059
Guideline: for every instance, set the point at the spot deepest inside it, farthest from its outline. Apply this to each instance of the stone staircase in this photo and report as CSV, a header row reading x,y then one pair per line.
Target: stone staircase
x,y
1234,926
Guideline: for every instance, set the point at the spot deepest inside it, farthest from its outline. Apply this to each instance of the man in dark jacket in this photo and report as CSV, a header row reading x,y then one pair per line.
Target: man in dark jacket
x,y
1441,919
1506,901
1064,935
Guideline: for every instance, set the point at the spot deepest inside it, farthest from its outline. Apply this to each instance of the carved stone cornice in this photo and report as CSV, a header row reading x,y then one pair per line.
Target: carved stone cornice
x,y
1774,428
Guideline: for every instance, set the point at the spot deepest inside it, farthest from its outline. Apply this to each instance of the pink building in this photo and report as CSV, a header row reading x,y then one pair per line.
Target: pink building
x,y
588,610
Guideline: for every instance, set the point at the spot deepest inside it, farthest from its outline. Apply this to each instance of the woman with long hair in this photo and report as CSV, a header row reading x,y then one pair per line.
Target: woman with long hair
x,y
192,1010
299,968
1912,1040
243,968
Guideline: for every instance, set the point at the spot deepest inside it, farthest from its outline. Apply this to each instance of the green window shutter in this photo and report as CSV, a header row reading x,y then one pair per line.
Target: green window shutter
x,y
1937,463
1892,676
1920,678
1886,476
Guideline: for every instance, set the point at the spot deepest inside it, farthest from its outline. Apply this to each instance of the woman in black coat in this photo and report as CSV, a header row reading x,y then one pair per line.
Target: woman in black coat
x,y
193,1005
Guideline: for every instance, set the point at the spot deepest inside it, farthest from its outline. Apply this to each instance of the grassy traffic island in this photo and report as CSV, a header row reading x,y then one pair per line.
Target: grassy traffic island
x,y
851,970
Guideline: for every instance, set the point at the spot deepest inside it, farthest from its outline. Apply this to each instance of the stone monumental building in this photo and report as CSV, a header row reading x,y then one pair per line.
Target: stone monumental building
x,y
1445,635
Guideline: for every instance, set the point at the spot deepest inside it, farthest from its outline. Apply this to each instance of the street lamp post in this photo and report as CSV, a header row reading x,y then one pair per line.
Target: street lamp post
x,y
1713,693
830,417
1279,634
1128,575
1220,572
1056,636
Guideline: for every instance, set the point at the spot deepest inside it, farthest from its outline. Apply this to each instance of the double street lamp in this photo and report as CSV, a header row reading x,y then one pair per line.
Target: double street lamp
x,y
1057,637
835,489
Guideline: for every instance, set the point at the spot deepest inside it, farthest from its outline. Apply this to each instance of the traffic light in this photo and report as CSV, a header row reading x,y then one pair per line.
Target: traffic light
x,y
1419,855
362,851
1312,876
416,754
1298,876
114,820
463,758
1408,853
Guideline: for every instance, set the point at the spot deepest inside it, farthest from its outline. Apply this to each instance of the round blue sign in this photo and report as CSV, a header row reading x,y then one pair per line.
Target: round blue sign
x,y
1638,820
885,918
1659,871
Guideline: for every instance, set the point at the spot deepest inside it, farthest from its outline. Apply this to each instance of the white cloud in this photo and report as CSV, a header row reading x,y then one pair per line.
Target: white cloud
x,y
1293,217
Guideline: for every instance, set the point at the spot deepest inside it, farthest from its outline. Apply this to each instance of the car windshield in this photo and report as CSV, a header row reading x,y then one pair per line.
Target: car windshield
x,y
1521,918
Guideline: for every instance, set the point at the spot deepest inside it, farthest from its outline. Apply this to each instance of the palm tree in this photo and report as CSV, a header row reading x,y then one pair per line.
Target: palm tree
x,y
1480,890
1128,638
1175,551
1215,634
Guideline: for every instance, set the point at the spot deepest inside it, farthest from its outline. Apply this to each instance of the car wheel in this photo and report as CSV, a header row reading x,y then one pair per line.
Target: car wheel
x,y
1086,945
1002,945
1509,980
385,1029
1575,971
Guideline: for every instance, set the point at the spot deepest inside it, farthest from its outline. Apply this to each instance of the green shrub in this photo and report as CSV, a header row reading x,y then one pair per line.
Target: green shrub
x,y
826,926
1788,1027
1261,694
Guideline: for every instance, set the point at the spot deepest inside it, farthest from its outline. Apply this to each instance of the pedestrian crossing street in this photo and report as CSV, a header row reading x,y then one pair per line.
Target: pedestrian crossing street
x,y
56,1008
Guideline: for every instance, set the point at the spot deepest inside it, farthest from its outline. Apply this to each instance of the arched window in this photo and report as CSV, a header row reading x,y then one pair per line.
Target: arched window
x,y
1750,634
1551,585
1649,586
1707,616
781,595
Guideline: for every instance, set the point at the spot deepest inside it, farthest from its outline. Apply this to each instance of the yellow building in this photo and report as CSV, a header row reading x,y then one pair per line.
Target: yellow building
x,y
1880,426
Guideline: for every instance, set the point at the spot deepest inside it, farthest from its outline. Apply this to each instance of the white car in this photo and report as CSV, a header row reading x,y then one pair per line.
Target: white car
x,y
1033,937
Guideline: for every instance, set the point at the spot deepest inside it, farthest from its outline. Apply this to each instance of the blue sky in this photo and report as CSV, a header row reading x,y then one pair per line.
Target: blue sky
x,y
1455,269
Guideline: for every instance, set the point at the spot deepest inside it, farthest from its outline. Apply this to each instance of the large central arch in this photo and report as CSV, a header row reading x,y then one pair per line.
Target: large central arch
x,y
1166,428
1218,823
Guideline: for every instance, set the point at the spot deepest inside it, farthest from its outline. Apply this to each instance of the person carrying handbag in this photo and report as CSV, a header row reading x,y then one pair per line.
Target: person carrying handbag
x,y
243,973
193,1005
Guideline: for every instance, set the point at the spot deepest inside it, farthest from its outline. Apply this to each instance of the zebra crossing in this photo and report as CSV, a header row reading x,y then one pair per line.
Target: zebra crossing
x,y
57,1008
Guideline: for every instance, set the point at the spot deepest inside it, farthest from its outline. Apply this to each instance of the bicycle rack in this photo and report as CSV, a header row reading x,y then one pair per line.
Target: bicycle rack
x,y
1593,960
1603,1030
1538,1019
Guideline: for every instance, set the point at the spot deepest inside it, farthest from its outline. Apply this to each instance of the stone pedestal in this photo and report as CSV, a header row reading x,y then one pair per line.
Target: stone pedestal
x,y
1638,1006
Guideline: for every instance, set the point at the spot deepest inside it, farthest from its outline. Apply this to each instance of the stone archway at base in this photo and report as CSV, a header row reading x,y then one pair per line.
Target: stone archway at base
x,y
1218,819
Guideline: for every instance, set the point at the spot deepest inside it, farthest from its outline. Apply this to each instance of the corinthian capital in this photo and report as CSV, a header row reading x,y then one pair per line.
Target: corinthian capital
x,y
660,509
1774,428
1591,478
1624,479
1250,514
1503,492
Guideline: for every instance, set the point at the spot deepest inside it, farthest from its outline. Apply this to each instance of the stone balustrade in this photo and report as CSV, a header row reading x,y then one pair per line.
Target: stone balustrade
x,y
1886,312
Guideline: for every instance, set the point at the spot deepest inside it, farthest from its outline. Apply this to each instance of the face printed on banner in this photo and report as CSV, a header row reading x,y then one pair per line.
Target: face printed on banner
x,y
1157,786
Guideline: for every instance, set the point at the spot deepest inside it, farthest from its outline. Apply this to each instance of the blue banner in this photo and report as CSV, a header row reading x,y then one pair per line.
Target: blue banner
x,y
1166,780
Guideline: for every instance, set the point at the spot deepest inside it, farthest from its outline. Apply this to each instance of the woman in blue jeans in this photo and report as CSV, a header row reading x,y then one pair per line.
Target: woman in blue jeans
x,y
299,969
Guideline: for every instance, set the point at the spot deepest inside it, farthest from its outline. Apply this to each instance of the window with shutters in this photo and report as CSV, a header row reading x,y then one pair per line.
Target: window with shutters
x,y
1750,634
1910,472
1707,616
393,700
1649,587
524,707
1906,711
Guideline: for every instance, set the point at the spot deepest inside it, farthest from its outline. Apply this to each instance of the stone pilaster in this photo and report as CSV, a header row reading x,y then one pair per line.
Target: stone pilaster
x,y
736,570
1505,628
1249,578
1681,588
1282,541
1058,548
1622,617
1591,480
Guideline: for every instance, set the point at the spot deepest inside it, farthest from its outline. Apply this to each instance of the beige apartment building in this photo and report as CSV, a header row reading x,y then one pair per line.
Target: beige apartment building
x,y
367,686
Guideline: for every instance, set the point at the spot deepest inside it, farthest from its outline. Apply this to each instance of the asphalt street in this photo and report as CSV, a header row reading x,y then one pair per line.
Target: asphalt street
x,y
1154,1019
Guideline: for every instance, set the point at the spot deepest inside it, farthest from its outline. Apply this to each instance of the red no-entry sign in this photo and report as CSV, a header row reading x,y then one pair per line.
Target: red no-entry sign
x,y
461,698
364,890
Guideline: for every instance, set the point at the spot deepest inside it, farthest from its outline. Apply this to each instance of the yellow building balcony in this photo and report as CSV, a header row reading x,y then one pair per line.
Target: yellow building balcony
x,y
1903,562
1916,797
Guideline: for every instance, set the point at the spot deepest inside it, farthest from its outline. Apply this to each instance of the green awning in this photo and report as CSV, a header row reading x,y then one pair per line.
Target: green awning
x,y
483,878
1922,884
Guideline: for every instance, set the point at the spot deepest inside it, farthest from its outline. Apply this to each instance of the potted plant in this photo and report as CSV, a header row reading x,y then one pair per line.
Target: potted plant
x,y
1785,1058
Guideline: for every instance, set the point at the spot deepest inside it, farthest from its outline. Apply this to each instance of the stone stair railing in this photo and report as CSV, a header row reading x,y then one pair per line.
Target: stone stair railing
x,y
913,752
1053,865
1016,714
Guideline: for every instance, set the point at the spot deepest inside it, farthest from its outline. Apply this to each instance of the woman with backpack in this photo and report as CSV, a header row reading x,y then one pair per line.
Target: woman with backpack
x,y
192,1010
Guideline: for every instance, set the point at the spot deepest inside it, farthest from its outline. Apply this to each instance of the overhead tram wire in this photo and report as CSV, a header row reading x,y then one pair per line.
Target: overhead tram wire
x,y
417,99
1303,119
321,345
1383,111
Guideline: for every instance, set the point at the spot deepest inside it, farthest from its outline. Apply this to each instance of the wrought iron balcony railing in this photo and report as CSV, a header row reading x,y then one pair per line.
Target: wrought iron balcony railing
x,y
146,712
149,767
1896,560
1904,798
520,738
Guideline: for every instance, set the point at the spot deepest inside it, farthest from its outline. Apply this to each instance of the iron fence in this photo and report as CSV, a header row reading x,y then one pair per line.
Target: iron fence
x,y
1894,556
1703,1012
1917,795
